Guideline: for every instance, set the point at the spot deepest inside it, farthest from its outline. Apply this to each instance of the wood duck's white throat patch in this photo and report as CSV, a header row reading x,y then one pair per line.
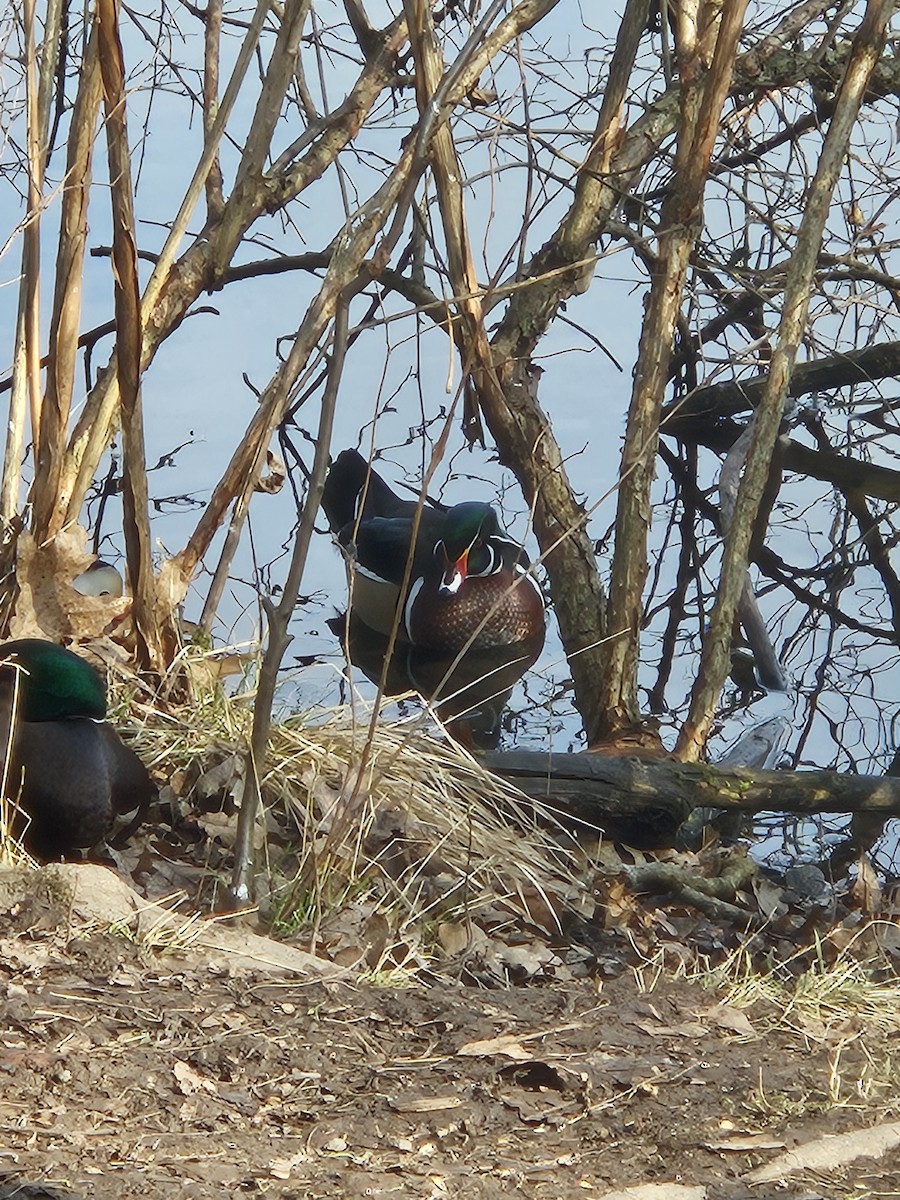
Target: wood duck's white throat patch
x,y
452,582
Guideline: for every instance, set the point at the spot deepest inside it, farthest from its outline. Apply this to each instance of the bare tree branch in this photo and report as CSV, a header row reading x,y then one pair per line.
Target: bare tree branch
x,y
867,48
152,654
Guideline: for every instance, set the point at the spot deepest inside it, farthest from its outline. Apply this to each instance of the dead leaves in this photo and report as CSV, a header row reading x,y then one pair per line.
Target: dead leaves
x,y
47,605
95,897
190,1081
425,1104
496,956
333,1089
506,1045
272,479
657,1191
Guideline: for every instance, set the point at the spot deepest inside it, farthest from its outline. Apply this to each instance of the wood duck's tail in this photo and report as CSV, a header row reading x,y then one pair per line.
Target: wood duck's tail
x,y
349,481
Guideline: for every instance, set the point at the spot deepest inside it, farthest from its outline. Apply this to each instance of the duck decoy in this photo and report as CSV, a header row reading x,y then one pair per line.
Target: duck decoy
x,y
470,584
69,771
100,579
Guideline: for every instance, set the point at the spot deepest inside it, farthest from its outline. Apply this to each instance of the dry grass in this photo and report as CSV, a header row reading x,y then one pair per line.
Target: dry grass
x,y
807,992
844,1005
12,852
384,840
810,988
403,818
13,821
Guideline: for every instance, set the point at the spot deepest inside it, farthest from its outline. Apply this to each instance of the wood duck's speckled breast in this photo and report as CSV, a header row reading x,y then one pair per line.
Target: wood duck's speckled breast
x,y
508,609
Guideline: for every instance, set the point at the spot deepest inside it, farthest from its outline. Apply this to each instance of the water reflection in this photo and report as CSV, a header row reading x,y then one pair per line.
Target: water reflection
x,y
469,695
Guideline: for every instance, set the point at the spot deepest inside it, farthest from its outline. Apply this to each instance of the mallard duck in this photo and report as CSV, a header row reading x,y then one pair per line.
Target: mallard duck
x,y
470,583
69,770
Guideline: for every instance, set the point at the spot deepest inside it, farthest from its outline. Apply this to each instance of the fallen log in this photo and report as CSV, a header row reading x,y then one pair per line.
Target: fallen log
x,y
644,801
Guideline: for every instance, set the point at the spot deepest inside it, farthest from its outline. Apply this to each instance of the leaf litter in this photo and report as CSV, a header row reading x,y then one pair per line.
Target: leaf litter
x,y
493,1007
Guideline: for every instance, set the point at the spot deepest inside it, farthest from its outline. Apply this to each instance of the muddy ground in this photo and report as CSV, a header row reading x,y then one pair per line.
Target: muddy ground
x,y
130,1073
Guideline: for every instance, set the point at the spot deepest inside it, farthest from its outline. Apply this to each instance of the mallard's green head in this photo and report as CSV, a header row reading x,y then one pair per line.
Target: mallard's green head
x,y
58,683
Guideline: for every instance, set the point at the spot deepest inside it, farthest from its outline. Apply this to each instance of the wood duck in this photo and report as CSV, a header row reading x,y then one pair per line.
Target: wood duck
x,y
468,692
69,770
470,583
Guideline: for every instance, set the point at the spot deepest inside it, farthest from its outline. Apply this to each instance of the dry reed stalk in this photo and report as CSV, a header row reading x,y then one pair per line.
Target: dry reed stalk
x,y
468,826
12,850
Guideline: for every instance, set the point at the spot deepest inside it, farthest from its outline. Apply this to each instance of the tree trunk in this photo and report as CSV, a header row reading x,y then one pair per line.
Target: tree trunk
x,y
643,802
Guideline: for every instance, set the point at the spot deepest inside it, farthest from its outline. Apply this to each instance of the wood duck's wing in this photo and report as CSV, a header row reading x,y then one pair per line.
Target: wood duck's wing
x,y
131,789
351,482
382,547
129,780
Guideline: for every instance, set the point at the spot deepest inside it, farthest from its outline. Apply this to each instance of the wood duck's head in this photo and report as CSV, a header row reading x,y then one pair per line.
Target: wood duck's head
x,y
472,544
